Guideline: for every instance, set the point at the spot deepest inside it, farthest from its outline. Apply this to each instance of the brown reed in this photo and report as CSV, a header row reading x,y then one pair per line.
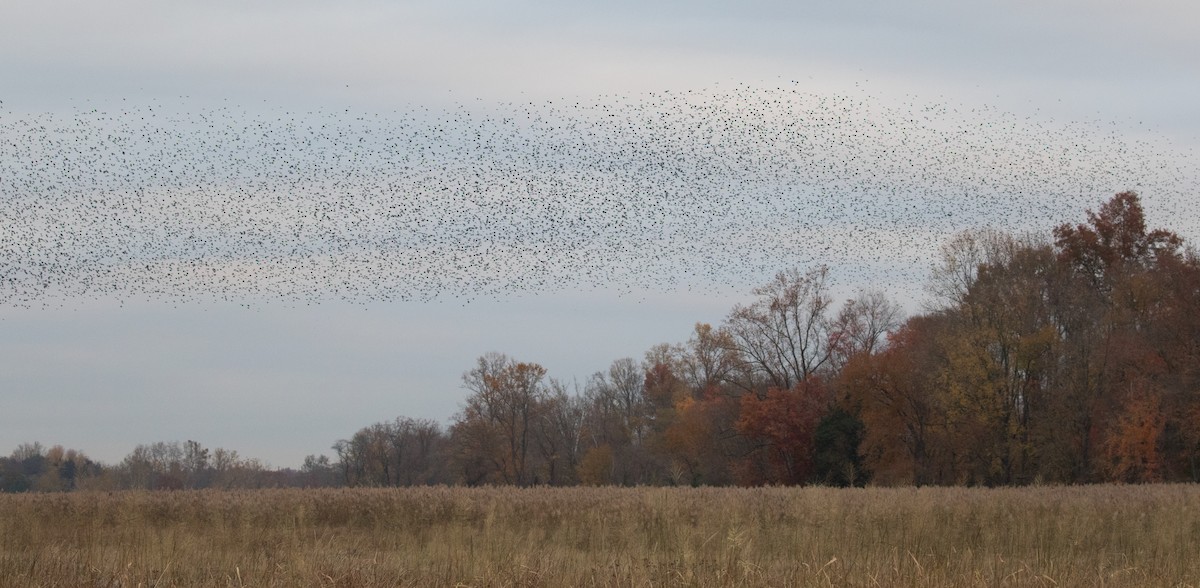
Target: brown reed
x,y
1040,536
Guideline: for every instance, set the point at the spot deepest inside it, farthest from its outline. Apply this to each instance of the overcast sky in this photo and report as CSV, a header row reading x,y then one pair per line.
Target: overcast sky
x,y
279,382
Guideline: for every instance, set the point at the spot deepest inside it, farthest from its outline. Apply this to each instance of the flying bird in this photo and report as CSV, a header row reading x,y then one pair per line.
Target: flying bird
x,y
697,190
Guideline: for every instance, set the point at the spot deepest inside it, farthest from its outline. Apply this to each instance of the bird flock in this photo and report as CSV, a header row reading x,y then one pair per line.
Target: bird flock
x,y
698,190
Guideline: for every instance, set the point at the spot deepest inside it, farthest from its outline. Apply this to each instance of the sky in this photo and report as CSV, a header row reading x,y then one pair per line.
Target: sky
x,y
1113,85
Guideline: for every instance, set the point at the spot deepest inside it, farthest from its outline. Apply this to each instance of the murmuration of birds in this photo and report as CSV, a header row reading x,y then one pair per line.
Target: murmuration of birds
x,y
699,190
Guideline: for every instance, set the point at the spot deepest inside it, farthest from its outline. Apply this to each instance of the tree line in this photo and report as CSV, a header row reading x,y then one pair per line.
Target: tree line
x,y
155,466
1064,358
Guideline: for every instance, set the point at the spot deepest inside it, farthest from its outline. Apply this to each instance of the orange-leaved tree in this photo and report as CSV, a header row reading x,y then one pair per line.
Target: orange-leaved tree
x,y
780,427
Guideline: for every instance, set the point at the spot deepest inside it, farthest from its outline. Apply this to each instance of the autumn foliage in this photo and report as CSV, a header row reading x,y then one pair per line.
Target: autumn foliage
x,y
1066,361
782,424
1067,358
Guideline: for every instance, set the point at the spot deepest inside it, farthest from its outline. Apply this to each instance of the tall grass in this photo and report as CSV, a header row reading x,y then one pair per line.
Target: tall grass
x,y
1042,536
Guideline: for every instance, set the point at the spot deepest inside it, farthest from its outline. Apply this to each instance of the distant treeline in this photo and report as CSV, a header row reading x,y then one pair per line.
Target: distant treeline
x,y
1065,358
157,466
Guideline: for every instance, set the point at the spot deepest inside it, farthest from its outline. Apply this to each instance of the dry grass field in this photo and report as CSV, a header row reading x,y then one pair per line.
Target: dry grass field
x,y
1041,536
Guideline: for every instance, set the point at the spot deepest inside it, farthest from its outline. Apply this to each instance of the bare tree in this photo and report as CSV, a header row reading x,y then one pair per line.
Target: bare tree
x,y
961,257
558,435
617,403
783,337
862,326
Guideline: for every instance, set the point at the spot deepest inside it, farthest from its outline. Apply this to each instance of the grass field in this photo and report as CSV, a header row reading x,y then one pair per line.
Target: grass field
x,y
1041,536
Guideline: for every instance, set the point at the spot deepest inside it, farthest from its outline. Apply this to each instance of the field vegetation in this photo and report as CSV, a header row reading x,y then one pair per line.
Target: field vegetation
x,y
504,536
